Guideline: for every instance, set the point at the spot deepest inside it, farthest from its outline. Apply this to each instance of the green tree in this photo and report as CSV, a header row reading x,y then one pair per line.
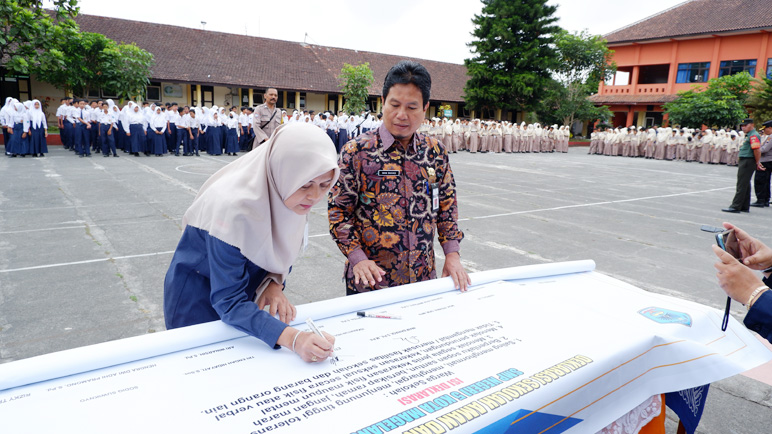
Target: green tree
x,y
93,61
760,102
584,61
82,66
354,82
563,104
30,35
127,71
513,54
719,104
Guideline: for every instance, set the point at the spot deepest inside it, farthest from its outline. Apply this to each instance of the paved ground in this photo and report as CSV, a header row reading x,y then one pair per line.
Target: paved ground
x,y
85,242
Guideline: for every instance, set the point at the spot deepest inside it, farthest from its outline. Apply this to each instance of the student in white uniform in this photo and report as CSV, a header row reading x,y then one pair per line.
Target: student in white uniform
x,y
107,129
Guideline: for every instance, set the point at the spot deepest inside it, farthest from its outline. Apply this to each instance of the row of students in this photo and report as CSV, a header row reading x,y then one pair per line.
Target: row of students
x,y
493,136
340,128
664,143
24,128
152,129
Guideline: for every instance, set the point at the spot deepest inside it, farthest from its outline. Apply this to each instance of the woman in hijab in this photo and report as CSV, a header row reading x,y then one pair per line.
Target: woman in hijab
x,y
232,134
215,134
24,148
223,122
14,118
5,113
136,129
158,133
204,123
242,234
38,130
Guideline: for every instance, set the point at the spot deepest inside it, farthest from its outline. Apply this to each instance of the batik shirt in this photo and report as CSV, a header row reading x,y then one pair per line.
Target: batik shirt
x,y
381,207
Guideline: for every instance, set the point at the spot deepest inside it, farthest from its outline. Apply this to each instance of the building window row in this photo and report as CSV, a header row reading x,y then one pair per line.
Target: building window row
x,y
693,72
731,67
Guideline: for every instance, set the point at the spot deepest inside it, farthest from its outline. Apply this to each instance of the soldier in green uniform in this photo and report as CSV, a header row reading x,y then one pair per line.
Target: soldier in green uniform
x,y
749,156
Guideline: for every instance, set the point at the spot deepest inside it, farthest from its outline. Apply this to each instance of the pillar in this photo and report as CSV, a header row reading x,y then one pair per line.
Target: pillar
x,y
251,97
199,102
630,114
641,119
380,105
340,103
634,78
761,63
284,98
498,114
715,65
671,76
297,100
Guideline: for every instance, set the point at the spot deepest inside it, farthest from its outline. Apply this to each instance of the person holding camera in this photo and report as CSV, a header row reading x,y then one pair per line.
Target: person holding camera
x,y
736,278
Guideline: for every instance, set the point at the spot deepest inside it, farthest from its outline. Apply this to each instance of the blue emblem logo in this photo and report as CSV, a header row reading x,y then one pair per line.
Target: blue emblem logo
x,y
666,316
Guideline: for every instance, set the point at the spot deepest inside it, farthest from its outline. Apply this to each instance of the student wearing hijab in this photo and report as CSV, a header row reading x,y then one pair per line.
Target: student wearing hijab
x,y
215,134
14,124
204,123
25,148
242,234
157,130
232,134
136,129
38,129
5,114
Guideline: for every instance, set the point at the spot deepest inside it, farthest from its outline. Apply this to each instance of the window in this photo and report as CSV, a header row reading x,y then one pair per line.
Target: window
x,y
693,72
109,94
372,103
280,99
154,91
769,68
302,100
291,100
17,86
207,95
245,97
653,74
258,96
731,67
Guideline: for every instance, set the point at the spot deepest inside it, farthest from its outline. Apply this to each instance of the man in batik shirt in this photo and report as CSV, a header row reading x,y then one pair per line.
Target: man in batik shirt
x,y
395,188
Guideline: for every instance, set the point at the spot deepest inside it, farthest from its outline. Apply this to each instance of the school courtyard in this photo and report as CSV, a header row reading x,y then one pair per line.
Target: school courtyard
x,y
85,242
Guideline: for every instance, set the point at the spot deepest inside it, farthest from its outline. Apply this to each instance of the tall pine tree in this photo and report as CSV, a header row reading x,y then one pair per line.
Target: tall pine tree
x,y
513,55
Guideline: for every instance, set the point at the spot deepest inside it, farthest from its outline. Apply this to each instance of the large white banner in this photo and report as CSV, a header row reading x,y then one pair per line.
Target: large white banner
x,y
555,348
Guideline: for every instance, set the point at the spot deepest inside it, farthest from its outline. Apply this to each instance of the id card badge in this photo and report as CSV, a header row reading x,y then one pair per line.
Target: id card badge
x,y
435,196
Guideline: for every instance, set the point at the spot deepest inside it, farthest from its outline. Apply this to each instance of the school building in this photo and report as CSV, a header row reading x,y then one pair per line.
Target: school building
x,y
198,67
681,47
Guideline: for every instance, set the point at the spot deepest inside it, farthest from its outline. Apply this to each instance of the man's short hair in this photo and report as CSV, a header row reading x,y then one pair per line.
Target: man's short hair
x,y
409,72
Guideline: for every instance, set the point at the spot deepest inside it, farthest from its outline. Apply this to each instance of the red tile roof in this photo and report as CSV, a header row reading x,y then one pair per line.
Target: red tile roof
x,y
698,17
632,99
185,55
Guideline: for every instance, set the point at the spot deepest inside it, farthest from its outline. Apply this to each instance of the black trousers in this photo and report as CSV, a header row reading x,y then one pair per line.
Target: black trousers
x,y
742,197
761,182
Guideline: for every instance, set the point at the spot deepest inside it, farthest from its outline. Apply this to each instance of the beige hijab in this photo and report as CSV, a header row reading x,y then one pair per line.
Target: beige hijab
x,y
243,203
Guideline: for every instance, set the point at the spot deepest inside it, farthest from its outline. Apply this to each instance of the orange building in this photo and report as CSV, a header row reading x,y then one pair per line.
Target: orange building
x,y
680,47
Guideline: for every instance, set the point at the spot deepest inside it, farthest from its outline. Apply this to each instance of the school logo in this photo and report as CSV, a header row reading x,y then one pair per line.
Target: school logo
x,y
666,316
